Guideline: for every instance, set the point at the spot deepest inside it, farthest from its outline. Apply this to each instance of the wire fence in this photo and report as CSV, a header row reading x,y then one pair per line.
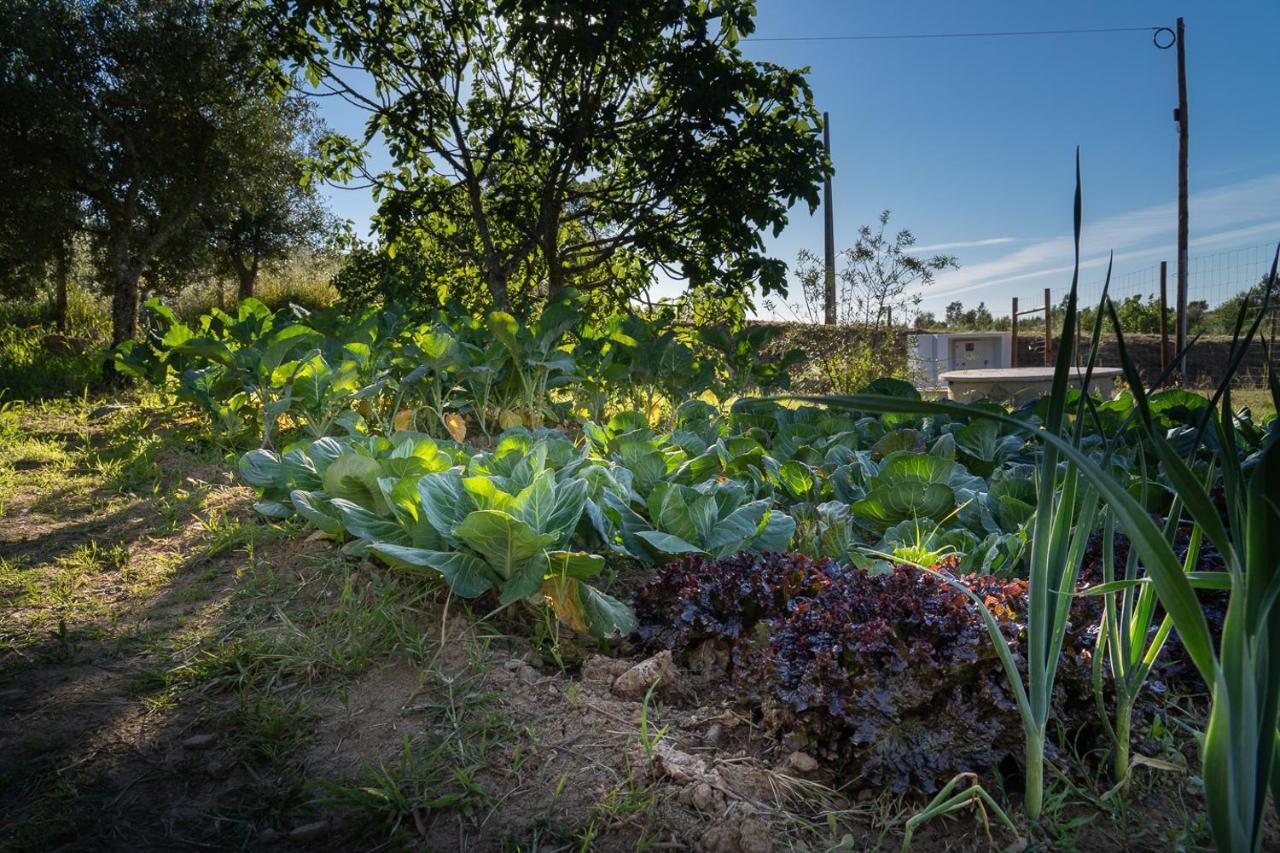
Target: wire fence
x,y
1219,284
1211,278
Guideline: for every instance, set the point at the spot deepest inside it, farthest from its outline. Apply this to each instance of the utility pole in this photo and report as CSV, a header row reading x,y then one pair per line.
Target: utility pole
x,y
1048,330
829,230
1164,315
1180,115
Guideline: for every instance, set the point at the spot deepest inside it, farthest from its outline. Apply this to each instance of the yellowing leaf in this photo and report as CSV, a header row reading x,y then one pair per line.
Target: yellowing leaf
x,y
562,594
402,420
508,419
457,426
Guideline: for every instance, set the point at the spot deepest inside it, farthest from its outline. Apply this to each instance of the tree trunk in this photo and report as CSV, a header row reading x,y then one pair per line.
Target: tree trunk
x,y
555,272
60,294
498,289
247,275
124,313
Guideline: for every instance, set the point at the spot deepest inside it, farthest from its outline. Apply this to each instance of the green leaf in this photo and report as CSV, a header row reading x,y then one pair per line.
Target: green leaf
x,y
466,574
507,544
314,507
364,524
354,478
666,543
444,501
504,327
576,564
261,469
606,616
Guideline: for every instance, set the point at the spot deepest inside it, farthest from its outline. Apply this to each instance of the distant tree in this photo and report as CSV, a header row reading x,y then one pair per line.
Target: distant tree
x,y
954,314
880,276
576,139
139,108
271,208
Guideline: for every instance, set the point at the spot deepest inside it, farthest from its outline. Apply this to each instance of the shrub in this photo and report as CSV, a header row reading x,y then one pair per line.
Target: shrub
x,y
890,677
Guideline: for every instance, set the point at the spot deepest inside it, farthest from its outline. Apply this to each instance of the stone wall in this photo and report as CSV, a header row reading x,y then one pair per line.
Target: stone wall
x,y
1205,362
1207,359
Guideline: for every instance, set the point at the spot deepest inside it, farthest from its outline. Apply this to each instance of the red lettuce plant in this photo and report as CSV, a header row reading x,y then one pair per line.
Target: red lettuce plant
x,y
890,677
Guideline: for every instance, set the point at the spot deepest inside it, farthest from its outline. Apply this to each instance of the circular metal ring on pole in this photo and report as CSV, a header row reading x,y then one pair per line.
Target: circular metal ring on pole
x,y
1159,35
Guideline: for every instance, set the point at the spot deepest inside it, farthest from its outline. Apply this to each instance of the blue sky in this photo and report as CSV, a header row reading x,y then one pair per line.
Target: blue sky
x,y
970,141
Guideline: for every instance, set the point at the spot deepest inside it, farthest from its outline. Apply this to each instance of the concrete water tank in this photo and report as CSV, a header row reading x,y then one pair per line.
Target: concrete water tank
x,y
939,352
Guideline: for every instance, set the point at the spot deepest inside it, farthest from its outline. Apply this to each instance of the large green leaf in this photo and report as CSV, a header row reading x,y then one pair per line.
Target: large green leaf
x,y
507,544
575,564
314,507
444,501
887,505
354,478
735,531
261,469
670,509
466,574
362,523
666,543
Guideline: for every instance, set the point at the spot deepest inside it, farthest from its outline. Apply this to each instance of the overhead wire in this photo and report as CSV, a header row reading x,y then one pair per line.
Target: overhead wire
x,y
994,34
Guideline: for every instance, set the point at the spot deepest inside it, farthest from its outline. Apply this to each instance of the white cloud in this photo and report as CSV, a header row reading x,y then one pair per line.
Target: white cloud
x,y
963,244
1219,217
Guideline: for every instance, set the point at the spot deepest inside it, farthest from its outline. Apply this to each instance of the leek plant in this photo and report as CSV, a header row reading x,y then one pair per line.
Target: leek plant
x,y
1238,749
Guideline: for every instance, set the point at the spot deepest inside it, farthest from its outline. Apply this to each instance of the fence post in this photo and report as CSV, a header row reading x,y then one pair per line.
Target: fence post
x,y
1013,334
1048,330
1164,315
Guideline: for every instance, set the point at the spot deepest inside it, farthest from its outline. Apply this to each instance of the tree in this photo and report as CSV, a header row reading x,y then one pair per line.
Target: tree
x,y
573,136
271,208
139,107
881,276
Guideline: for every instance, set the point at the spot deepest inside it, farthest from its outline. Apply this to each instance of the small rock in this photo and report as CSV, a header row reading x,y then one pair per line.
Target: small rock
x,y
754,836
309,831
677,765
598,671
737,835
705,798
635,682
521,669
198,742
802,762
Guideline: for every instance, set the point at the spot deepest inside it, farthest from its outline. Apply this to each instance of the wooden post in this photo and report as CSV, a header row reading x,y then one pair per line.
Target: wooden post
x,y
889,318
829,232
1013,334
1048,330
1164,315
1181,116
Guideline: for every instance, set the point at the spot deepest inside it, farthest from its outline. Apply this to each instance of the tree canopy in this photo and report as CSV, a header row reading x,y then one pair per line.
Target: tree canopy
x,y
129,119
551,144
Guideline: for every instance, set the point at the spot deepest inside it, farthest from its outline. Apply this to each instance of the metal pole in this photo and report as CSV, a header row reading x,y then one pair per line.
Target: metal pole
x,y
1181,117
1048,330
829,230
1013,334
1164,315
